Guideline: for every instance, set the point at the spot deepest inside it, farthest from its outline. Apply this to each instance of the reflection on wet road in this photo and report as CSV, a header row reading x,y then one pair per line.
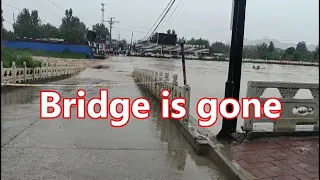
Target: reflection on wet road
x,y
91,149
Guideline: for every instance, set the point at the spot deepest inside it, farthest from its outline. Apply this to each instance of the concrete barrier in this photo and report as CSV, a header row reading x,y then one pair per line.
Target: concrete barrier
x,y
294,111
154,82
15,75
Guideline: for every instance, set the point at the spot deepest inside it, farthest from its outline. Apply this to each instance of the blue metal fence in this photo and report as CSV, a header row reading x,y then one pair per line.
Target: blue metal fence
x,y
49,47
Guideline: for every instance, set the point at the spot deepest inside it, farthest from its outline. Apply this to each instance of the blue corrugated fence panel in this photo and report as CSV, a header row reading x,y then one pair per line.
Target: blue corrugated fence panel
x,y
82,49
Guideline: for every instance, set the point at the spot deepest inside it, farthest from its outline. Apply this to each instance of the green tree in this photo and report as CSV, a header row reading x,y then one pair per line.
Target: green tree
x,y
49,31
27,25
200,41
102,31
297,56
6,35
271,47
288,53
302,47
262,50
250,52
290,50
72,29
191,41
316,54
219,47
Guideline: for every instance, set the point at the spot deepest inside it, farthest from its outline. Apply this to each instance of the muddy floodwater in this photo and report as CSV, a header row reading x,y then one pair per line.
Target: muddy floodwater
x,y
91,149
207,79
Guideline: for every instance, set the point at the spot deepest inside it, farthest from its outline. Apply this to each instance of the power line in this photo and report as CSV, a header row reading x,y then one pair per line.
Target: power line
x,y
21,11
169,20
62,8
7,21
11,6
48,9
157,19
129,30
163,17
56,5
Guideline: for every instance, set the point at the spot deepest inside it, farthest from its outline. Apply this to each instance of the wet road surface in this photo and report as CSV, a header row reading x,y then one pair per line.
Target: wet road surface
x,y
91,149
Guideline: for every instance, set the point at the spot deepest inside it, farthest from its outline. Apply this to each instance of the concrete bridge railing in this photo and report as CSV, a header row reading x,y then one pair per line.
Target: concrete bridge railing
x,y
294,111
20,75
155,82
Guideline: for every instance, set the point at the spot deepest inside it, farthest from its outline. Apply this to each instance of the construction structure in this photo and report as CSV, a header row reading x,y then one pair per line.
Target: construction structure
x,y
190,49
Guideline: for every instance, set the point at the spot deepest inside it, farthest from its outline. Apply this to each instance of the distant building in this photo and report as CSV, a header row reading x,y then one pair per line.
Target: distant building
x,y
195,50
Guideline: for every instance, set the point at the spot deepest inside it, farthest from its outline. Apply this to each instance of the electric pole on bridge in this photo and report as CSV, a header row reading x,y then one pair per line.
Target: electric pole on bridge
x,y
232,89
111,22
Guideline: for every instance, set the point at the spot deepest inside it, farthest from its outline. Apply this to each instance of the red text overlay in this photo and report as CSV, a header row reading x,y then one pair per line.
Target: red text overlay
x,y
119,110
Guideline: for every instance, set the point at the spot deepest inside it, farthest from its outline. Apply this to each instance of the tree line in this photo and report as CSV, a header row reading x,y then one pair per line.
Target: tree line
x,y
29,25
73,30
263,51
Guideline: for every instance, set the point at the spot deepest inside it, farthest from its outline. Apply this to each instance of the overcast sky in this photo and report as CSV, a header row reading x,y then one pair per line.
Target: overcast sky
x,y
285,20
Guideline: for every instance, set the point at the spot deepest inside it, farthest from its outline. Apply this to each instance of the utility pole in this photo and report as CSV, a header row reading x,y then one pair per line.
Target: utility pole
x,y
131,42
1,35
232,89
111,22
102,11
14,20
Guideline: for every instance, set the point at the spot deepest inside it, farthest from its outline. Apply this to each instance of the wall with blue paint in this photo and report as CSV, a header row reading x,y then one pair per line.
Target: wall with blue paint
x,y
49,47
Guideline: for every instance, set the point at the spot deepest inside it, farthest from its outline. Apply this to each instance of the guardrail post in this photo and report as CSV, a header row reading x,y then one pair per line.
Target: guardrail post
x,y
166,80
153,81
47,69
149,79
24,71
187,92
14,72
2,72
174,85
33,73
160,84
51,66
156,85
41,68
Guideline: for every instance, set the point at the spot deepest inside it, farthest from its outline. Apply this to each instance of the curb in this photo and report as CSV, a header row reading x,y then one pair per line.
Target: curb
x,y
229,169
210,148
200,141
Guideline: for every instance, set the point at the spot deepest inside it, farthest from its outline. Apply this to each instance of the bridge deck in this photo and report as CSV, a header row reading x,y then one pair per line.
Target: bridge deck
x,y
88,149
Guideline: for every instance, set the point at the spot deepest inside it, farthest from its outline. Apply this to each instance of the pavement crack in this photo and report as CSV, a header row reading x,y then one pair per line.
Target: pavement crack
x,y
18,134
